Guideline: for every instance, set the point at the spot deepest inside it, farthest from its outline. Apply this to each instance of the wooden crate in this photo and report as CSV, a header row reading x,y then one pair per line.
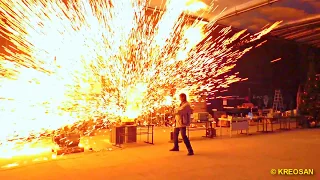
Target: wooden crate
x,y
131,134
118,135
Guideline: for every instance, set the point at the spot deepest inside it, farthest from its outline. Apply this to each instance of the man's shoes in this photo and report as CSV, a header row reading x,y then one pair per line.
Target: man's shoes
x,y
190,153
174,149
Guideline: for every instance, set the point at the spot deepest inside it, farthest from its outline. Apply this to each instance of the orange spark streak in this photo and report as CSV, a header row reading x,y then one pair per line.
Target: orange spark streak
x,y
273,61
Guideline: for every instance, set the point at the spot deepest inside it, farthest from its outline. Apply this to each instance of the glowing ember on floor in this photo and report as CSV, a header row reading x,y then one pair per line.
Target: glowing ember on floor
x,y
73,63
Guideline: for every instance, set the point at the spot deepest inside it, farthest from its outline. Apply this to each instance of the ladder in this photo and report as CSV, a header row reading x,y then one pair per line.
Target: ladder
x,y
277,101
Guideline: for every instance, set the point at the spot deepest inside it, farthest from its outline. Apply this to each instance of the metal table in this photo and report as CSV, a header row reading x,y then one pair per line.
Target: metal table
x,y
236,124
149,132
265,121
285,123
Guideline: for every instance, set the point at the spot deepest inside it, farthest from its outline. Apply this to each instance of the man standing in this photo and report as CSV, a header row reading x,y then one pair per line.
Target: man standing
x,y
183,119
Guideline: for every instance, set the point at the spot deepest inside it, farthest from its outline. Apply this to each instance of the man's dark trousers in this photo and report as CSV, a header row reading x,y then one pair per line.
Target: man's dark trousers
x,y
184,137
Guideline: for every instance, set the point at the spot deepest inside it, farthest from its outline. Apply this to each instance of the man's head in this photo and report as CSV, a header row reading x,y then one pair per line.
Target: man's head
x,y
183,97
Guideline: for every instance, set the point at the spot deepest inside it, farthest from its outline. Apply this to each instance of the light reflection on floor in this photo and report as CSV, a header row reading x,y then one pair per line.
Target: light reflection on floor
x,y
26,153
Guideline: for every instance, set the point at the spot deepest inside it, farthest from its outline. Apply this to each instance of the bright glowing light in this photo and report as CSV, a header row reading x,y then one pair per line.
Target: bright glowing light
x,y
10,150
168,101
195,6
135,97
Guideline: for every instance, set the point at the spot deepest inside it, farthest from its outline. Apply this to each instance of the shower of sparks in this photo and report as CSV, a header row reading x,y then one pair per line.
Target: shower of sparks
x,y
69,62
275,60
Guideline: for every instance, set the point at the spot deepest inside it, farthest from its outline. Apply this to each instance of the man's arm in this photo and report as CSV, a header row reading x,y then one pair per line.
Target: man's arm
x,y
185,108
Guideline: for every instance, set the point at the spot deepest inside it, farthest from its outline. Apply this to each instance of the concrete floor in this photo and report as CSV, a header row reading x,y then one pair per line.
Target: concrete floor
x,y
241,157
